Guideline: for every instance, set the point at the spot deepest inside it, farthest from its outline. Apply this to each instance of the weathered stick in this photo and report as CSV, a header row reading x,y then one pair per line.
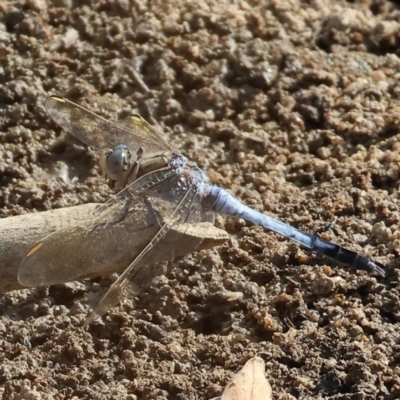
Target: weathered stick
x,y
19,234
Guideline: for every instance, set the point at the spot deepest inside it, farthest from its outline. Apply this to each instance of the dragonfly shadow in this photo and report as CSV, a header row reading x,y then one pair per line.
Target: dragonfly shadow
x,y
216,320
67,151
214,316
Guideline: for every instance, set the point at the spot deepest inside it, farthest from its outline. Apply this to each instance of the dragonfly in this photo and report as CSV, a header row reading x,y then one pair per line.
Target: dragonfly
x,y
160,192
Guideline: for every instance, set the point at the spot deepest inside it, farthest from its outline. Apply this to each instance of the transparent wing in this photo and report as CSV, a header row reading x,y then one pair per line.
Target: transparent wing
x,y
108,239
140,227
136,123
142,271
98,133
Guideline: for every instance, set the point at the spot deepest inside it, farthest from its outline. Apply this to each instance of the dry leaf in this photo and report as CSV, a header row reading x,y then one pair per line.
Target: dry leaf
x,y
249,383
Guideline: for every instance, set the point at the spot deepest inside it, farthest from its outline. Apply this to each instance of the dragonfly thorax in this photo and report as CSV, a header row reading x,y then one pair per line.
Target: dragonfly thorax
x,y
116,162
189,170
178,162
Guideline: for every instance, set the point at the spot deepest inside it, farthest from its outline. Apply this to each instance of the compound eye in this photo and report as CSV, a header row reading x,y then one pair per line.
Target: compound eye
x,y
118,162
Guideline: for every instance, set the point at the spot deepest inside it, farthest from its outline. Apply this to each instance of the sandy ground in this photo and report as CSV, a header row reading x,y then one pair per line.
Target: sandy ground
x,y
293,107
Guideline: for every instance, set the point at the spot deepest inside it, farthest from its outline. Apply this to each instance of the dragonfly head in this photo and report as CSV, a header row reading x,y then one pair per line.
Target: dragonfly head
x,y
116,162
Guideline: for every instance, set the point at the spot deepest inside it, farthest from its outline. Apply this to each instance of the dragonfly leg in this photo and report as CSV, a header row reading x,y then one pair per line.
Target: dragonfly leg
x,y
112,184
152,211
133,170
120,218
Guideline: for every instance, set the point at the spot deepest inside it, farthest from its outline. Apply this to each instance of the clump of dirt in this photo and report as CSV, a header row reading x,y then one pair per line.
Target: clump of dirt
x,y
292,106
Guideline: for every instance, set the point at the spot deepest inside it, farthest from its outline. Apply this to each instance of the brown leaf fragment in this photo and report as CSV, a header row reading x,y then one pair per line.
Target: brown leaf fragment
x,y
249,383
